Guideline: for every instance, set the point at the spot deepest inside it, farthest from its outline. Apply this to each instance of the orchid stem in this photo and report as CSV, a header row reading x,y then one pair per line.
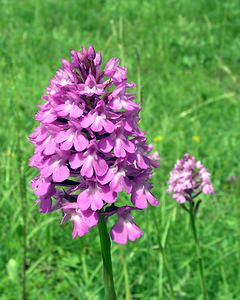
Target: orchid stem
x,y
107,262
198,251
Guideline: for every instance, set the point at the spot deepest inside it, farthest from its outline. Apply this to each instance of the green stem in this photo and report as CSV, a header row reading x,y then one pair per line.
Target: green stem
x,y
198,251
107,262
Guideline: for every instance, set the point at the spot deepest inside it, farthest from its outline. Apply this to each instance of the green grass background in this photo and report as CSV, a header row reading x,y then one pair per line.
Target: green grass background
x,y
185,56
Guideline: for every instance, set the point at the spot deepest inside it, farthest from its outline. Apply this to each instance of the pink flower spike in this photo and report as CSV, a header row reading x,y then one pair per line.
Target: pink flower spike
x,y
188,179
89,148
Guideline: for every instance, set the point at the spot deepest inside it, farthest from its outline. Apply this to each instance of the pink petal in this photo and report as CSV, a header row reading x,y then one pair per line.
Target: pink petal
x,y
119,151
127,185
46,171
151,199
100,166
84,200
80,142
90,217
97,202
50,148
97,125
45,204
60,174
76,112
108,126
119,233
79,228
128,146
67,145
106,144
87,120
138,198
116,104
134,232
90,80
141,162
116,183
43,187
108,195
76,160
107,177
87,168
62,136
49,118
61,110
110,67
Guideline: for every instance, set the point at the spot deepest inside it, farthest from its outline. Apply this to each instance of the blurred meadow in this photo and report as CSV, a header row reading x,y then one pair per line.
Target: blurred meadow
x,y
185,57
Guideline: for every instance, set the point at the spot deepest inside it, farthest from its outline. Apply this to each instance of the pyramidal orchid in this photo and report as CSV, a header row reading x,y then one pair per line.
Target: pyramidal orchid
x,y
188,180
89,148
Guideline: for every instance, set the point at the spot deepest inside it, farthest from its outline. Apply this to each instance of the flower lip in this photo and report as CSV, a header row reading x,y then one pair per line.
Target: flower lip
x,y
125,229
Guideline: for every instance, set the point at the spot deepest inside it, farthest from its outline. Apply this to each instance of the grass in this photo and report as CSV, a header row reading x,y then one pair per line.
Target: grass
x,y
185,57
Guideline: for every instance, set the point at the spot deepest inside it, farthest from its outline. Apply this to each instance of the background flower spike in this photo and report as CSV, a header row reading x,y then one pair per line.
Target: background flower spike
x,y
188,180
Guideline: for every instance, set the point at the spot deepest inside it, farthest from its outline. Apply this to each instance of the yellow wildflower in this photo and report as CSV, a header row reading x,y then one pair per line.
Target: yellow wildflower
x,y
196,138
158,138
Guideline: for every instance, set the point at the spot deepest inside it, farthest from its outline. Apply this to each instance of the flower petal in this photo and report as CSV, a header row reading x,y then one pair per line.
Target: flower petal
x,y
80,142
60,174
100,166
76,160
84,200
119,233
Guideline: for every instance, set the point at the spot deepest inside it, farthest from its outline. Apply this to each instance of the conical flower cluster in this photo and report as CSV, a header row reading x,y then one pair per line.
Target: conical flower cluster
x,y
188,179
89,148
